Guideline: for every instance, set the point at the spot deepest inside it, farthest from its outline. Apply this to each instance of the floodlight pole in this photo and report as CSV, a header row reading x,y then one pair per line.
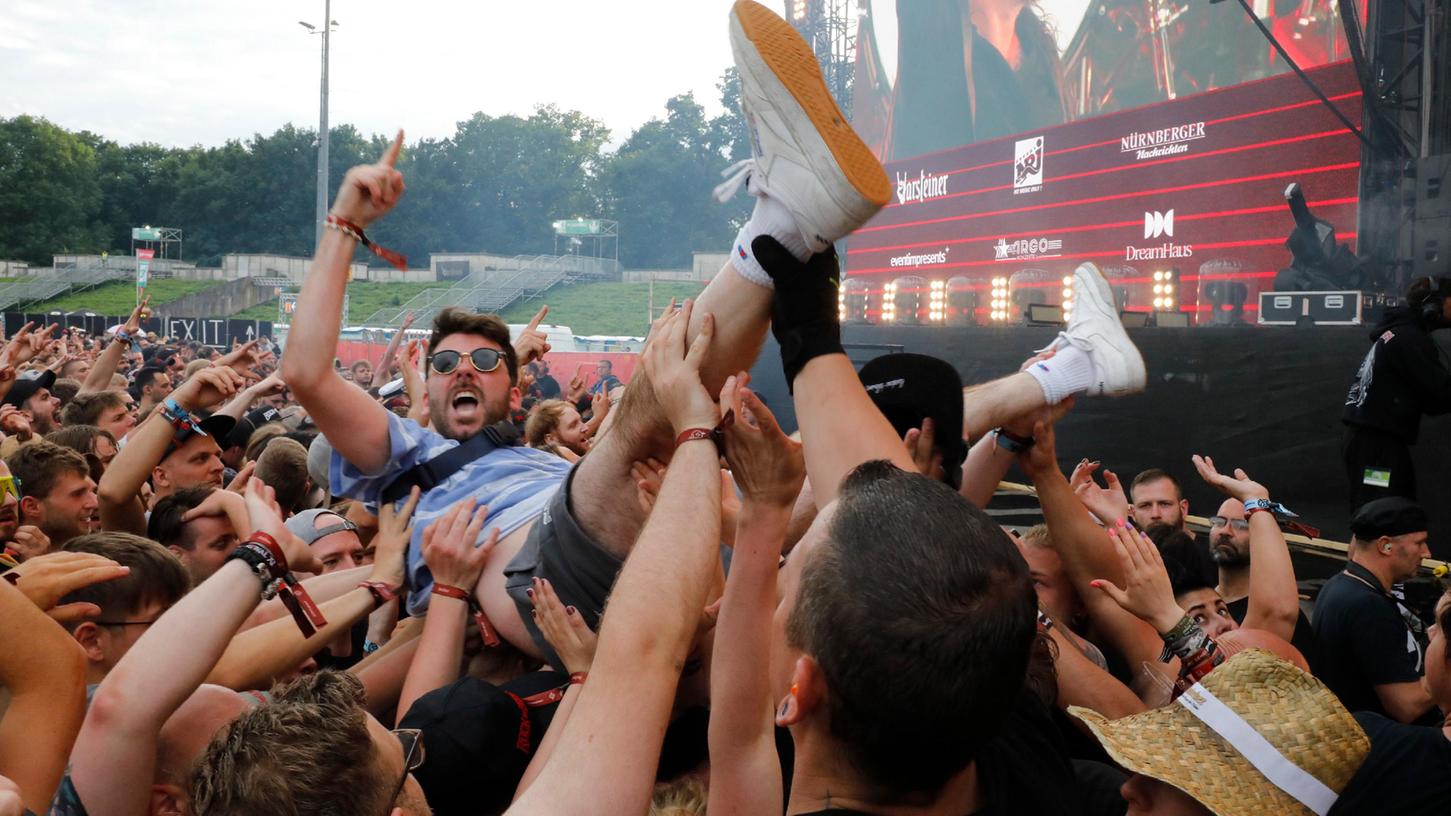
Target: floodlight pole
x,y
322,130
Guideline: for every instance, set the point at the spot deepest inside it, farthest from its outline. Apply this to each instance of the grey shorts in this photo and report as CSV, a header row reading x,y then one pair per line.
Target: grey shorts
x,y
559,551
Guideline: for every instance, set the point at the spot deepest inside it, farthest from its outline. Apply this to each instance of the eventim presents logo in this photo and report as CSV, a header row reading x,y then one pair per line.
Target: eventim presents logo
x,y
915,260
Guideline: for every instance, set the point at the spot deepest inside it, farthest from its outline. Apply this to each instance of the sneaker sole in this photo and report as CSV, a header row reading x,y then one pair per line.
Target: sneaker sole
x,y
789,58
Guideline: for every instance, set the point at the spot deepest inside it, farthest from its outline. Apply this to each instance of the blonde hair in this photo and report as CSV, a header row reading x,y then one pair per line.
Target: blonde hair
x,y
686,796
543,421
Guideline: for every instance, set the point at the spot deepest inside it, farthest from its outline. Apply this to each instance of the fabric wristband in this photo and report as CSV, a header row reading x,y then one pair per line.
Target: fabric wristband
x,y
716,434
381,592
486,629
577,678
355,232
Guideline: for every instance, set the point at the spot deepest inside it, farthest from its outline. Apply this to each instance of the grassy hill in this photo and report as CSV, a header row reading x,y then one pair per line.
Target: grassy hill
x,y
364,298
118,298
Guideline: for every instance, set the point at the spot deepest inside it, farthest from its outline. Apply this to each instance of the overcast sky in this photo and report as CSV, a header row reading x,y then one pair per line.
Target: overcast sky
x,y
182,72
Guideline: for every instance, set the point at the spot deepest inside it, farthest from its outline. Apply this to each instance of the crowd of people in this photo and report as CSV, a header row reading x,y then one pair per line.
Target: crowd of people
x,y
242,584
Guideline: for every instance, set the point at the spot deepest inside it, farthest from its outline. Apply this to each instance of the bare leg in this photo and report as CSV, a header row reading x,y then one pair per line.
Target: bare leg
x,y
603,490
991,404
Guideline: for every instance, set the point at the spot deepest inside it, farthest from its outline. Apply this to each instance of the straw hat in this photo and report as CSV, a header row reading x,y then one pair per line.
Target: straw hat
x,y
1300,719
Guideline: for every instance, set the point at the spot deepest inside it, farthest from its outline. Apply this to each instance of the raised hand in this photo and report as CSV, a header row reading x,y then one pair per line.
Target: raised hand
x,y
648,476
919,444
45,579
138,314
208,387
1146,592
531,344
766,464
25,346
1241,486
450,547
228,504
564,628
390,545
14,422
30,541
370,191
264,516
241,358
674,370
1109,503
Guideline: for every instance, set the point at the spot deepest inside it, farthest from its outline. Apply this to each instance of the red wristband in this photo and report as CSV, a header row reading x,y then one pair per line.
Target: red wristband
x,y
716,434
451,592
259,537
578,678
382,593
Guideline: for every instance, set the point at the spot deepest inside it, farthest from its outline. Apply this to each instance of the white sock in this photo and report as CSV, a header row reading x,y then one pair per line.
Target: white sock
x,y
769,218
1066,373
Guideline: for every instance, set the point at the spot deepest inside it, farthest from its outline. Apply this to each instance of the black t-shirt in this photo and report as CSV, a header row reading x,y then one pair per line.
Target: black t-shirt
x,y
548,387
1303,639
1024,770
1363,640
1408,771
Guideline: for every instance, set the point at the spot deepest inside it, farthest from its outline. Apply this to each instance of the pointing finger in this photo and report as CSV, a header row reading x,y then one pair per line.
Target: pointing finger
x,y
534,324
390,156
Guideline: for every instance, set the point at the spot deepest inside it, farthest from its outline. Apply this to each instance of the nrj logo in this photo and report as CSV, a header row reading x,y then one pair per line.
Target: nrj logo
x,y
922,188
1159,224
1028,165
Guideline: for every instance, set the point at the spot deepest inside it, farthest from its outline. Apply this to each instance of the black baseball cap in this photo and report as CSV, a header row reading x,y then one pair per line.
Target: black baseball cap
x,y
908,388
217,427
1390,516
250,422
26,387
478,739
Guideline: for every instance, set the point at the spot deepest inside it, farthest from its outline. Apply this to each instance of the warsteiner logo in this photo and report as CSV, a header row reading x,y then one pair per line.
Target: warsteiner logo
x,y
922,188
1028,165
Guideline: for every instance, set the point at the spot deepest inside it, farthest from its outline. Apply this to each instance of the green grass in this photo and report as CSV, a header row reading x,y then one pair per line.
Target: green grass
x,y
601,308
364,298
118,298
587,308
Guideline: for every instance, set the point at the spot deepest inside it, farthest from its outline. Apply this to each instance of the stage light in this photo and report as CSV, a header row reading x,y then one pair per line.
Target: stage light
x,y
798,10
1001,294
889,302
937,301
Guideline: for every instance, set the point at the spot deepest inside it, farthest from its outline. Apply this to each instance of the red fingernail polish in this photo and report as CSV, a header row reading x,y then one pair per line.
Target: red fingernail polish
x,y
529,592
569,609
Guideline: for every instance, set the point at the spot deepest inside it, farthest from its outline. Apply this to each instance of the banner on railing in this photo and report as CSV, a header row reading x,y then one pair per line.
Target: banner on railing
x,y
210,331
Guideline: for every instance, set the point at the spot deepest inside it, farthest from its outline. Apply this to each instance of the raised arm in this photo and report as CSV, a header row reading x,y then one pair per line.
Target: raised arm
x,y
258,656
355,424
114,759
1274,598
105,367
449,552
608,751
247,397
44,671
1087,552
380,374
570,638
745,767
121,484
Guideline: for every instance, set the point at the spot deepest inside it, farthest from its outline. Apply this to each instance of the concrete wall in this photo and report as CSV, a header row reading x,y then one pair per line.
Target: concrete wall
x,y
14,269
387,274
219,301
706,264
275,266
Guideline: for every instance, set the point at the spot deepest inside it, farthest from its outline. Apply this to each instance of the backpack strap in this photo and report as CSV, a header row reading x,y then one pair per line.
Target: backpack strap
x,y
430,474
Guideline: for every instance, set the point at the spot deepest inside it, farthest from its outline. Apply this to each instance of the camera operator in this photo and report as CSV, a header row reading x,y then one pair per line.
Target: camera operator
x,y
1401,378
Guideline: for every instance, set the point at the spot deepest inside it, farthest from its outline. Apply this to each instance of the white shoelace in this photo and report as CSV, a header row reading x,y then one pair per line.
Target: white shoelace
x,y
736,176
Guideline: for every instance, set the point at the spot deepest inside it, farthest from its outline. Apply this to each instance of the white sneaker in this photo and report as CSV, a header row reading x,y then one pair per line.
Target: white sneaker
x,y
804,153
1097,329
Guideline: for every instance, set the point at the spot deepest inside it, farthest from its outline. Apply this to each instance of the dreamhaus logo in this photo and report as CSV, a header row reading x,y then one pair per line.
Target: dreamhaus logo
x,y
1159,225
1028,166
922,188
928,259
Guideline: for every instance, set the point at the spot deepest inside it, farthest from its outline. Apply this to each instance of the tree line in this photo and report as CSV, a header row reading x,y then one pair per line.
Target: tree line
x,y
495,185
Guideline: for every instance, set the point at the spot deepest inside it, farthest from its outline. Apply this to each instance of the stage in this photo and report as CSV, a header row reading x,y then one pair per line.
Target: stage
x,y
1265,399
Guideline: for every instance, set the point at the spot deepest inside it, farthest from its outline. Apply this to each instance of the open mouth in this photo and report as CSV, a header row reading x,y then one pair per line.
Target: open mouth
x,y
465,404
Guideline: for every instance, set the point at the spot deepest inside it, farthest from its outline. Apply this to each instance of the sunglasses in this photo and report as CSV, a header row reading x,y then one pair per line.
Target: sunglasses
x,y
10,486
1221,521
412,741
484,360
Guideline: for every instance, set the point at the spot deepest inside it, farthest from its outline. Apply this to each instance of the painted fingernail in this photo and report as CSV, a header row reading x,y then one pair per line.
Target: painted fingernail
x,y
530,593
1122,524
570,610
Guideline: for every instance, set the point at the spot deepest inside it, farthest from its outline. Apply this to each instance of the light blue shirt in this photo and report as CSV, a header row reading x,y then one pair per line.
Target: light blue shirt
x,y
516,483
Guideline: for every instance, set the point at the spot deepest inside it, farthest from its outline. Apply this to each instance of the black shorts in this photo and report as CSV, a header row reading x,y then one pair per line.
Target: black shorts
x,y
559,551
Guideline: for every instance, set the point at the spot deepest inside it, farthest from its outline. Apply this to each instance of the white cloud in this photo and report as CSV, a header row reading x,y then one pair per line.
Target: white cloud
x,y
182,72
